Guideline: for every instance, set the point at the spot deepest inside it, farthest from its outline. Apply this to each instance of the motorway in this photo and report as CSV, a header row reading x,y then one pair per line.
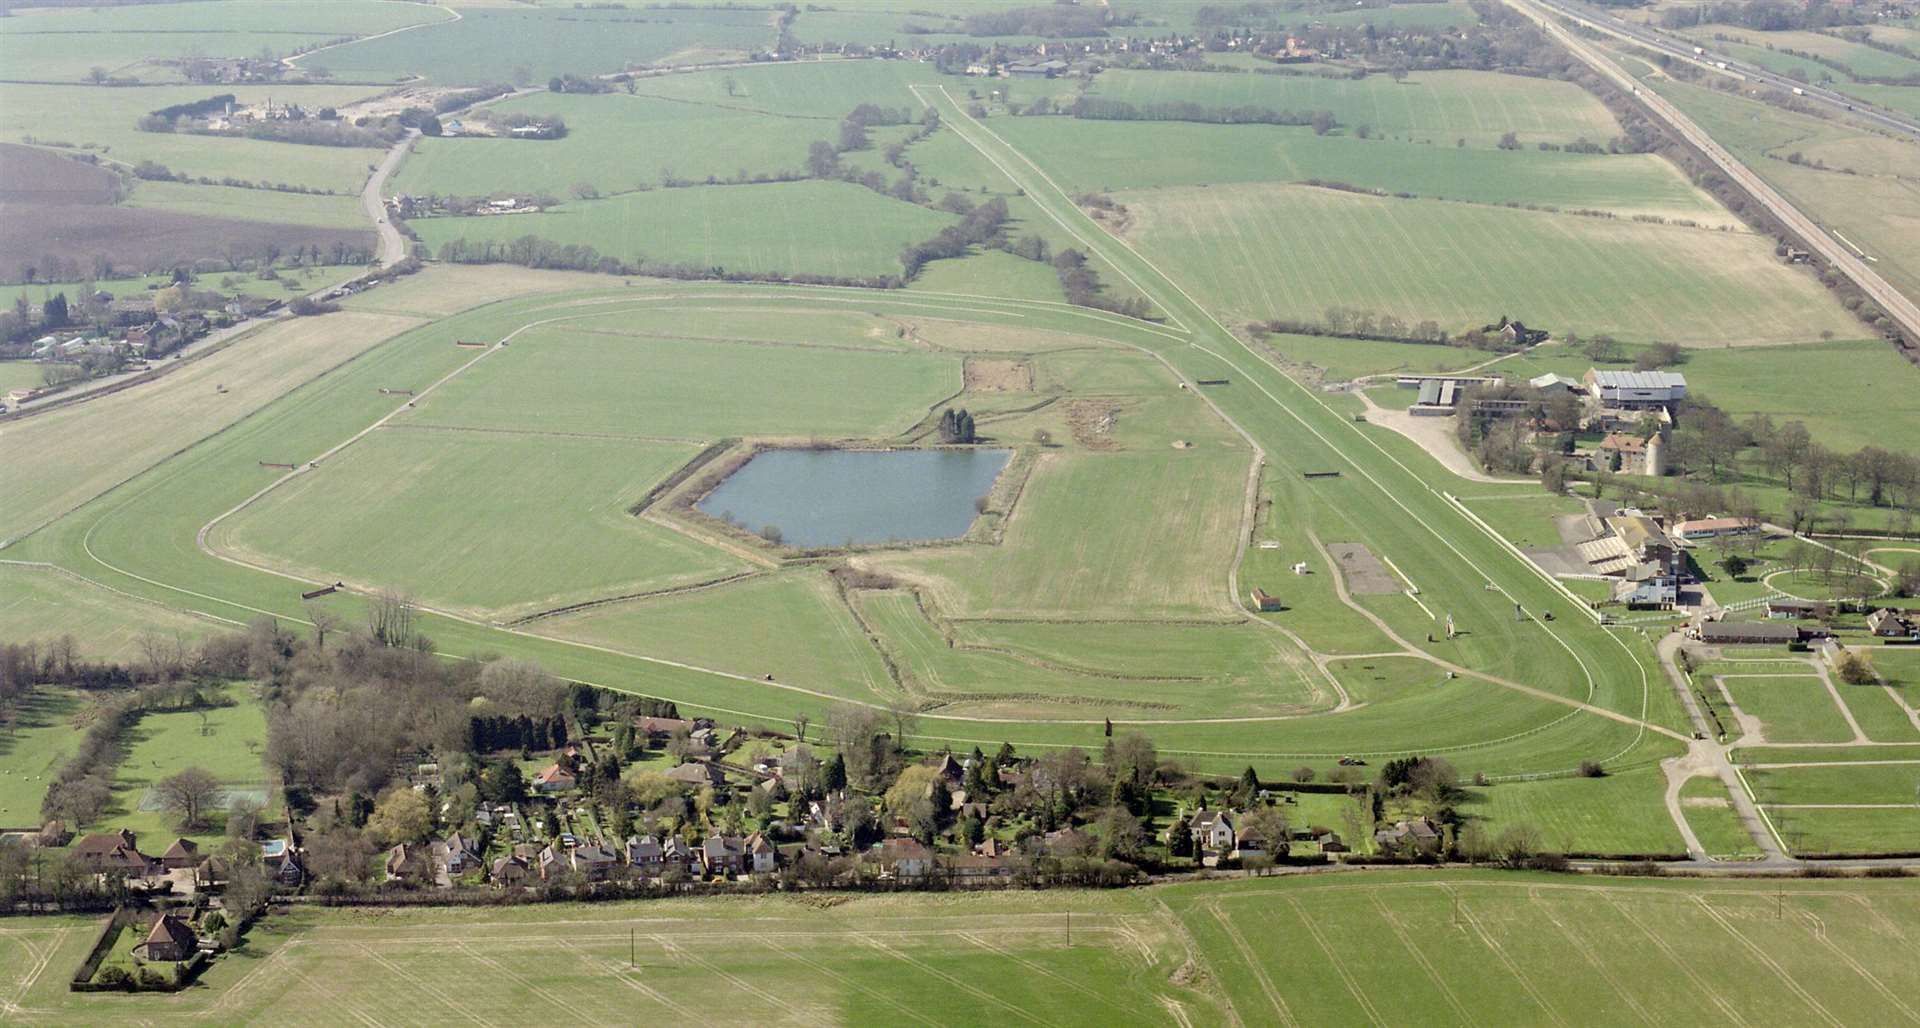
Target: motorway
x,y
1897,305
1683,49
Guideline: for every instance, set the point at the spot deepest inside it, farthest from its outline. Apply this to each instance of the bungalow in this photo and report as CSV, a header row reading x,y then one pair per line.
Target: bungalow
x,y
171,940
1889,624
112,853
1418,835
509,872
659,729
183,853
979,866
697,774
556,777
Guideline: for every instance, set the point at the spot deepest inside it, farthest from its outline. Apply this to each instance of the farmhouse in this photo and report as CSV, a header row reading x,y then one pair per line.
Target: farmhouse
x,y
1417,834
170,940
1635,456
1636,390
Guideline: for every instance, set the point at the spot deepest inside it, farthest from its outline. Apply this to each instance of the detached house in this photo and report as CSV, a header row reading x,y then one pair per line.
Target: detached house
x,y
761,856
1418,835
183,853
1214,835
556,777
112,853
171,940
1889,624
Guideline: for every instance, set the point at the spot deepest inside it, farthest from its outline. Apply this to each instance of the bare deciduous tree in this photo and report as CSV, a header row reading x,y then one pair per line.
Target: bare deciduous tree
x,y
189,795
390,619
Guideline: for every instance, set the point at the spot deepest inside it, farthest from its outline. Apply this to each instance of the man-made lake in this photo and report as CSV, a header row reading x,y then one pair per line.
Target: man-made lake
x,y
838,497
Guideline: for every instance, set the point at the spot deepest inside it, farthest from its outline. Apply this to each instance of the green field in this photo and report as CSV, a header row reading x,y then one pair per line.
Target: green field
x,y
592,377
42,604
103,120
553,531
1319,950
1115,155
614,143
1617,814
1791,708
1637,281
1710,814
521,45
33,746
817,228
251,204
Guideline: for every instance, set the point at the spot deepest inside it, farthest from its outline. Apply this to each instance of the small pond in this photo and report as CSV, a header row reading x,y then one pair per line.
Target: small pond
x,y
819,498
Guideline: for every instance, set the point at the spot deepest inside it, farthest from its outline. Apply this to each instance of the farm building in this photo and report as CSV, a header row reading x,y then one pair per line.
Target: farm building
x,y
1636,390
1264,602
1551,384
1713,528
1789,608
1748,633
1633,455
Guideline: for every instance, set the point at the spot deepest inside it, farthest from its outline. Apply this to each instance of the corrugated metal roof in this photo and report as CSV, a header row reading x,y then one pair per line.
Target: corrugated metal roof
x,y
1640,379
1430,391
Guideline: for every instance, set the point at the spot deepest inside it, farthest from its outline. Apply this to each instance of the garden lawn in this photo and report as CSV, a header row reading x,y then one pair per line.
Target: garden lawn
x,y
495,522
833,229
228,741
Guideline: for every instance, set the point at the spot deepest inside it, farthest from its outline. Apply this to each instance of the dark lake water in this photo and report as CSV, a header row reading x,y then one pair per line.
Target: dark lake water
x,y
836,497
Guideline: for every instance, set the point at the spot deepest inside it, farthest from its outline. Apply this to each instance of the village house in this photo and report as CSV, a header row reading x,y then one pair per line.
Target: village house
x,y
509,872
458,854
697,774
721,856
1214,834
676,855
555,777
408,862
903,858
657,730
645,855
761,855
593,862
282,862
171,940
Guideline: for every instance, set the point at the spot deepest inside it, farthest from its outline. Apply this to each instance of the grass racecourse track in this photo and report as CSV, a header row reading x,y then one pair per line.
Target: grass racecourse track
x,y
115,540
1386,948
